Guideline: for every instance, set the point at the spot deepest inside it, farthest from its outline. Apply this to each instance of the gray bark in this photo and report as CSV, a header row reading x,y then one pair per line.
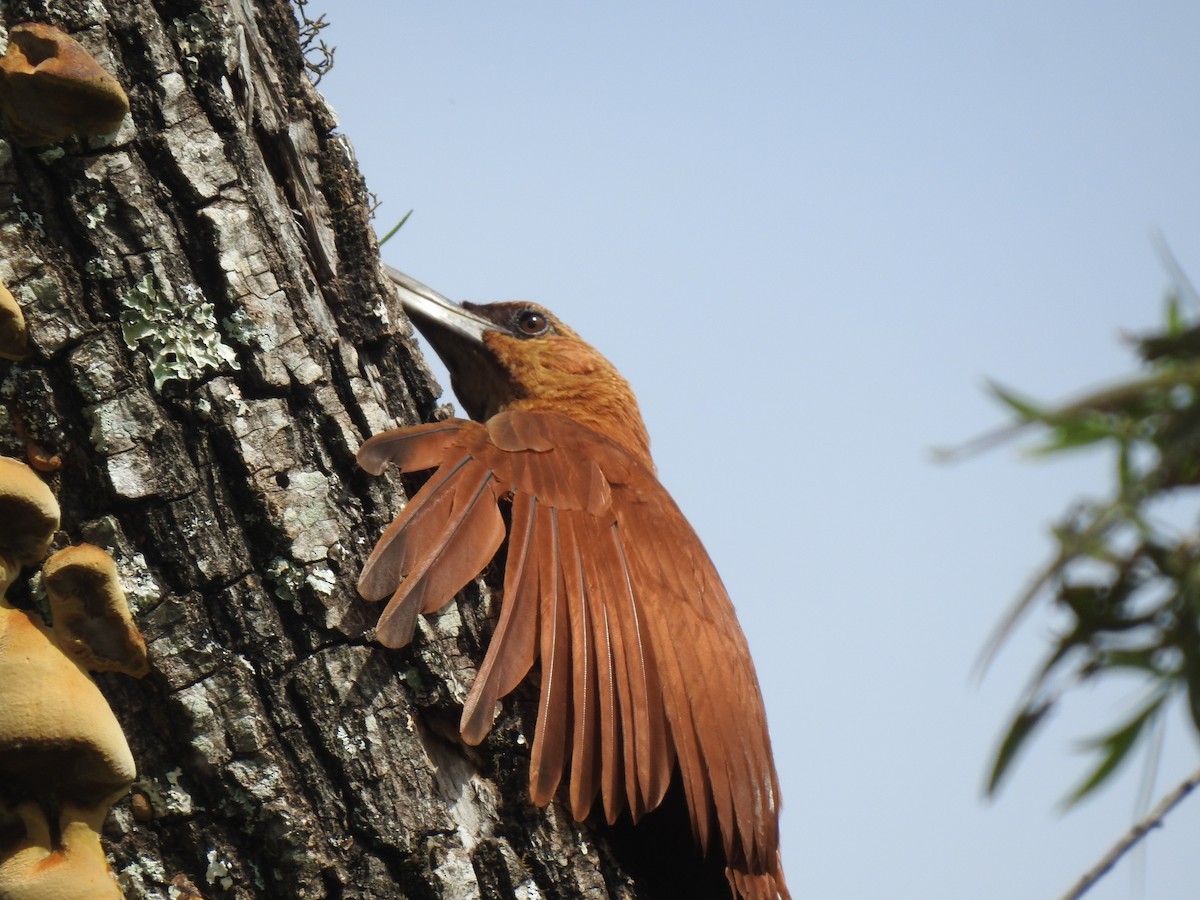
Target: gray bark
x,y
211,339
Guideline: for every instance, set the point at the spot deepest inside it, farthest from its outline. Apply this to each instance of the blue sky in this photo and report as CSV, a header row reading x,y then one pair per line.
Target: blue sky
x,y
807,235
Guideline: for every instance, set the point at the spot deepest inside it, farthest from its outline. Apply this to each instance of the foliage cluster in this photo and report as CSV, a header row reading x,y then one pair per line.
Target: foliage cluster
x,y
1126,578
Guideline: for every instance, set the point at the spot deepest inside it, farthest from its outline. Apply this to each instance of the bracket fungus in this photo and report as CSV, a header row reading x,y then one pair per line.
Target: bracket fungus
x,y
63,762
14,343
92,623
28,519
63,758
51,88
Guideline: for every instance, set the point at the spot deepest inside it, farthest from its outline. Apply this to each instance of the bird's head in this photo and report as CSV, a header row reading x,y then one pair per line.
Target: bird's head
x,y
520,356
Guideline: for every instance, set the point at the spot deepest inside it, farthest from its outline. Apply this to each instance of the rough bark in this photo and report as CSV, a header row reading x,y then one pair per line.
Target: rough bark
x,y
211,339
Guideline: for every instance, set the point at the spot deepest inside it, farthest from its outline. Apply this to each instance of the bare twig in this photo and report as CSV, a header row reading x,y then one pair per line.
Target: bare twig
x,y
1135,834
318,55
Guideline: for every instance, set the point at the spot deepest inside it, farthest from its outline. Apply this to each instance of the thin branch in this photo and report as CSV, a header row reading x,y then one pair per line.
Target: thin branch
x,y
1134,835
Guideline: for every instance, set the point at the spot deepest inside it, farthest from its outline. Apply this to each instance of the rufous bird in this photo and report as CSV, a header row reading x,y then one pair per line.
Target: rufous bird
x,y
644,668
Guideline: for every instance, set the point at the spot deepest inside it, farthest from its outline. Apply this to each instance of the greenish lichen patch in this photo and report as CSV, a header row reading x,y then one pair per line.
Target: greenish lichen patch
x,y
94,217
286,579
177,333
241,328
218,871
142,879
170,799
322,580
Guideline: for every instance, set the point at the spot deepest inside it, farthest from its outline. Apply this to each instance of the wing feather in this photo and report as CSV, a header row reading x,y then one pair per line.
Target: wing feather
x,y
410,449
683,729
612,763
396,553
716,712
441,541
474,533
513,648
649,755
585,707
713,754
550,733
601,577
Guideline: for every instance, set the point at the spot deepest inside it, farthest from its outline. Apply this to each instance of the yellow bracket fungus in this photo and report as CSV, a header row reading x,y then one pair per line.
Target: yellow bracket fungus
x,y
63,758
91,617
52,89
13,337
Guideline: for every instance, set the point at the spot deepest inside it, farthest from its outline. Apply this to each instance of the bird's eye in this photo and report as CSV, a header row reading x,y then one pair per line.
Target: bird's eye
x,y
531,322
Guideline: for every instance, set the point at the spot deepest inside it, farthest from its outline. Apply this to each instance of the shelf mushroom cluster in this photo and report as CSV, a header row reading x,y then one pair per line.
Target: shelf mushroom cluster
x,y
63,758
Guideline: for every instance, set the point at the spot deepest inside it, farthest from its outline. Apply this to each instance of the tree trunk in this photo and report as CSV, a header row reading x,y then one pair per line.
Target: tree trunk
x,y
211,339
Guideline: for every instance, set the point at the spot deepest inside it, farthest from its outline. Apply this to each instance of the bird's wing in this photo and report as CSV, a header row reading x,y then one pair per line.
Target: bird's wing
x,y
442,539
714,707
642,659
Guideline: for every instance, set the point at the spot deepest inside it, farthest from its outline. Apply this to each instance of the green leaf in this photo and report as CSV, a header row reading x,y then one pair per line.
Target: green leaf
x,y
1115,748
1023,408
383,240
1144,660
1079,431
1023,726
